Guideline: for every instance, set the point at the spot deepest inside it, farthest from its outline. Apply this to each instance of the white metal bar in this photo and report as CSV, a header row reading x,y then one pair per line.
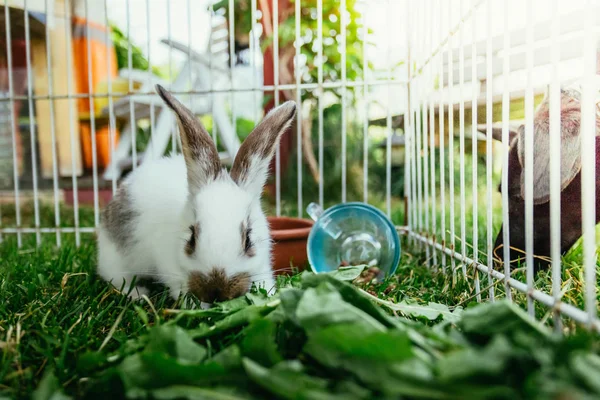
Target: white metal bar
x,y
428,38
132,121
413,105
52,131
13,125
266,88
388,123
169,37
254,63
461,122
320,95
419,109
367,103
215,132
343,24
298,12
92,123
111,110
488,155
276,97
505,149
408,168
528,168
232,65
474,161
36,206
55,230
566,309
189,60
451,147
555,201
570,49
445,39
433,229
67,11
589,114
149,57
442,150
416,158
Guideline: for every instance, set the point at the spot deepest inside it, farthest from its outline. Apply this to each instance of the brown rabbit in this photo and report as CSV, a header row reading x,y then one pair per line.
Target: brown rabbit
x,y
570,176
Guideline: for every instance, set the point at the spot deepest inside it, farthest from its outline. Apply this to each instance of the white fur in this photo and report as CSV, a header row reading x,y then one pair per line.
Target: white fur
x,y
159,193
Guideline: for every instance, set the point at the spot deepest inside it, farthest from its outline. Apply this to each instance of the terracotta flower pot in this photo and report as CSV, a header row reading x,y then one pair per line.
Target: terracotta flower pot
x,y
289,248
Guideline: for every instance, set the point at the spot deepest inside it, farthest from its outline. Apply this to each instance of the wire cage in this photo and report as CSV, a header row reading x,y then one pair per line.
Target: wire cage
x,y
422,108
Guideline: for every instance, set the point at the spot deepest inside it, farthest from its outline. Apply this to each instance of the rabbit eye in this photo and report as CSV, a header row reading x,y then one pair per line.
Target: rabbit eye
x,y
246,242
190,245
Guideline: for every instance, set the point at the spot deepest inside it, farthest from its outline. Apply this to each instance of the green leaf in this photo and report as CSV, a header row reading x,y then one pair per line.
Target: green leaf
x,y
259,342
287,380
586,366
575,254
218,311
503,316
175,342
230,357
180,392
469,362
351,295
354,297
431,311
355,342
290,298
49,388
232,305
481,391
359,350
238,319
323,306
347,273
258,298
148,371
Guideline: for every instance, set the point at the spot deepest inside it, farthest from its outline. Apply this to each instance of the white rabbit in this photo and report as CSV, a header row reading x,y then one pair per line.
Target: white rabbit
x,y
187,223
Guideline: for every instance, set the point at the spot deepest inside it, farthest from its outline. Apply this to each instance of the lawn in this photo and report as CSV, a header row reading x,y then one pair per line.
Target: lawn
x,y
64,332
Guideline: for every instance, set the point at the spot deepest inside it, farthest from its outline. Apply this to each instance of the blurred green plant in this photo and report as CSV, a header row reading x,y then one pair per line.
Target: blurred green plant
x,y
309,68
122,43
332,164
309,38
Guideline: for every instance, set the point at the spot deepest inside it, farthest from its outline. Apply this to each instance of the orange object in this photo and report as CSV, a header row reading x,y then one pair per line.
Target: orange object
x,y
103,139
90,38
93,39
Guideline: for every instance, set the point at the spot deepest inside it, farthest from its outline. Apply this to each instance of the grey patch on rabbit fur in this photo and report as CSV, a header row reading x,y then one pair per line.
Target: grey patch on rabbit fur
x,y
118,219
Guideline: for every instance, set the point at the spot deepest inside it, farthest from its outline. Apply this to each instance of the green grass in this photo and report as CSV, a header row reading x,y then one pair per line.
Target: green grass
x,y
55,308
56,311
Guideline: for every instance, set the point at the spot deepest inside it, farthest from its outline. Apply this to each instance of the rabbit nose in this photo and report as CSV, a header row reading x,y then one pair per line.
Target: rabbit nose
x,y
216,286
215,296
210,287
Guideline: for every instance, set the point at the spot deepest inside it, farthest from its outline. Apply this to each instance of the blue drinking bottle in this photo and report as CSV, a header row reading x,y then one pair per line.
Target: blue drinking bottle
x,y
352,234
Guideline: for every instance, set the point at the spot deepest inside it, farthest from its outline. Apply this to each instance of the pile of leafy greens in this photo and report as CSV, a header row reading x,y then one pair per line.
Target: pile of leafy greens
x,y
322,338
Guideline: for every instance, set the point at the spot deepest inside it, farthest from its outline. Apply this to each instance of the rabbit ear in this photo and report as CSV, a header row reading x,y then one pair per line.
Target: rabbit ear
x,y
251,165
570,154
199,151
